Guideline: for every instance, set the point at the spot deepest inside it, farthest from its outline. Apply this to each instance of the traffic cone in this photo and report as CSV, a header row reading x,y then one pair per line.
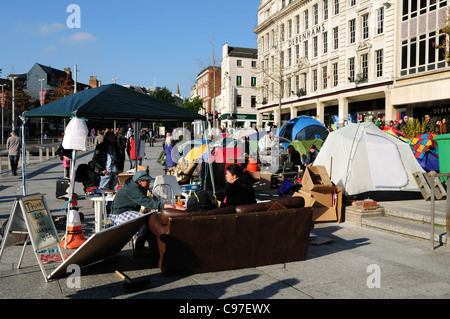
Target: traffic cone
x,y
75,237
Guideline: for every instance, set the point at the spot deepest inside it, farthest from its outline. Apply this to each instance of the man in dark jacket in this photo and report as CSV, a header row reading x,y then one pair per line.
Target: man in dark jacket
x,y
108,161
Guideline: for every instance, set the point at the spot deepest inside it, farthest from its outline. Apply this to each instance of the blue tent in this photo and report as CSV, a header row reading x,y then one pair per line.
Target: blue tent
x,y
429,162
303,128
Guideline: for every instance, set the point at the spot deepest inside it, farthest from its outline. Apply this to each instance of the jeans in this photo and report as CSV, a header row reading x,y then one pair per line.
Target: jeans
x,y
14,161
108,181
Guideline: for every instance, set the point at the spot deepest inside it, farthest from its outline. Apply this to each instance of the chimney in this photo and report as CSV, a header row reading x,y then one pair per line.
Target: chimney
x,y
69,72
93,83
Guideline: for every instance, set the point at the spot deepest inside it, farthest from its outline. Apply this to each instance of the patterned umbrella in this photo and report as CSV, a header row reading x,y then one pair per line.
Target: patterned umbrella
x,y
424,143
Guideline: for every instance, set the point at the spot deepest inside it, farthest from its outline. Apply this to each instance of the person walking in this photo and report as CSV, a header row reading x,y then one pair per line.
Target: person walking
x,y
13,147
107,161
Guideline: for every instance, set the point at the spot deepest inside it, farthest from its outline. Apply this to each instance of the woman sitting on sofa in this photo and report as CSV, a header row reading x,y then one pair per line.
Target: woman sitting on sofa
x,y
239,189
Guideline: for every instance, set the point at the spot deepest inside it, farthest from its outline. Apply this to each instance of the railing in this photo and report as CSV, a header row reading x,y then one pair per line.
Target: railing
x,y
431,179
49,149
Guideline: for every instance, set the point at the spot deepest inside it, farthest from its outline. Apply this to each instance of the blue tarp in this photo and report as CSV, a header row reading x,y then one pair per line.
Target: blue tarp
x,y
303,128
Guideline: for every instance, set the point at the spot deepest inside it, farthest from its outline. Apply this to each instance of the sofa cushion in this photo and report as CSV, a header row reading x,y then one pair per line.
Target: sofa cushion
x,y
172,213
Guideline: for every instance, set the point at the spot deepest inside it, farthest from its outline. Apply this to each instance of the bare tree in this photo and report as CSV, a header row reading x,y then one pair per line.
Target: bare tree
x,y
276,71
214,86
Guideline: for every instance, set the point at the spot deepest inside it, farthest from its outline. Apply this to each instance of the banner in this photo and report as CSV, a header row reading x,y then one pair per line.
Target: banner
x,y
42,97
3,100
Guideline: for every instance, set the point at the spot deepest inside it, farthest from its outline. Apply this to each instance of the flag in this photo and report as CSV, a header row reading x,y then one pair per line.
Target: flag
x,y
3,100
42,97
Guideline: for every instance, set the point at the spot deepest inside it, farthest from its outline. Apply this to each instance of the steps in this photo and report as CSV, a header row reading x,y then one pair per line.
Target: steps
x,y
405,220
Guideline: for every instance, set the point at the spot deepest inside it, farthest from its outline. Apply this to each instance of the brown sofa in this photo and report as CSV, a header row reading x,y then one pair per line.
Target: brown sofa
x,y
232,237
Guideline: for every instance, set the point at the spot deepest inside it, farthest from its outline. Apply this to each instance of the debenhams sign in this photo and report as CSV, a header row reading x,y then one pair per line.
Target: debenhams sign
x,y
307,34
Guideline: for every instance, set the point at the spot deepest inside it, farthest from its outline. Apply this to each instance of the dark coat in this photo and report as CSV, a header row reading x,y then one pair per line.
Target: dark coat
x,y
100,157
241,192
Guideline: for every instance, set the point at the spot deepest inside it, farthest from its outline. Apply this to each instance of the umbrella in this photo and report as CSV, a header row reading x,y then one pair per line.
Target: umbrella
x,y
195,153
424,143
185,146
243,132
397,134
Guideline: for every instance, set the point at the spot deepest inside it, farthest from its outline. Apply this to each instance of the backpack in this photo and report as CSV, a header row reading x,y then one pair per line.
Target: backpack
x,y
200,200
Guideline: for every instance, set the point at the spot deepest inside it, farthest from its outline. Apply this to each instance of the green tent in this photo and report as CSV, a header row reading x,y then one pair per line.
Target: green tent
x,y
114,102
303,146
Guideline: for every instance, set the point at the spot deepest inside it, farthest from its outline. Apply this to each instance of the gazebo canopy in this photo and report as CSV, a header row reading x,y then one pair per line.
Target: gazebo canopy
x,y
114,102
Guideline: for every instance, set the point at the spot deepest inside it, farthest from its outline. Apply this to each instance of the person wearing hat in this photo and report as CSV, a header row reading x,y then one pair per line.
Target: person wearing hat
x,y
313,152
128,201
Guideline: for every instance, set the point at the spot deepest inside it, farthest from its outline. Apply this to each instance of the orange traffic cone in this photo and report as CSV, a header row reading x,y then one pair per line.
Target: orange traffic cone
x,y
75,237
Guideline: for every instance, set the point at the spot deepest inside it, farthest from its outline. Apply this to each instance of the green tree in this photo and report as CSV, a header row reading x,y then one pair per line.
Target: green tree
x,y
416,127
164,95
195,105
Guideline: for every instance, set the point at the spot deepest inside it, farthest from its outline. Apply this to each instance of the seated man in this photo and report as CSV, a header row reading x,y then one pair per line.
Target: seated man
x,y
128,202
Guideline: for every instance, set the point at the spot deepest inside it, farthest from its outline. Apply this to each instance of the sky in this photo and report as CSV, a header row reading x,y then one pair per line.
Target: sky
x,y
138,42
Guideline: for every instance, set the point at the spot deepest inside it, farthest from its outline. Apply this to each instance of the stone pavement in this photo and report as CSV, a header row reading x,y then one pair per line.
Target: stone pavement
x,y
345,261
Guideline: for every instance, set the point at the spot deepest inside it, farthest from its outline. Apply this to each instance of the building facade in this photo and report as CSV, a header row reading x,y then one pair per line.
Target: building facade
x,y
208,88
349,60
239,87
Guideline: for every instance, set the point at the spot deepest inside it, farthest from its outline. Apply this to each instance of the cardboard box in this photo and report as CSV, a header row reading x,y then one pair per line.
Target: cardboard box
x,y
122,177
316,177
326,203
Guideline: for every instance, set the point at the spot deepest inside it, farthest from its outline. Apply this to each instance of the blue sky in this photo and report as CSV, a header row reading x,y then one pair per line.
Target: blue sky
x,y
139,42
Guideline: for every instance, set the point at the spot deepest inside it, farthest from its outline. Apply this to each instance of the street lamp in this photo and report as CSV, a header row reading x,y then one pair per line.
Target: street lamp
x,y
42,119
3,130
12,77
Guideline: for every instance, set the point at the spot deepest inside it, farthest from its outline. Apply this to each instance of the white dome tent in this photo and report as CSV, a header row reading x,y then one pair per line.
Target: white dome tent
x,y
361,158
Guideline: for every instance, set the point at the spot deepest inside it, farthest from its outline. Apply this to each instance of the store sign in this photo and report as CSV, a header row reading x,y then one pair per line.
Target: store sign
x,y
441,110
307,34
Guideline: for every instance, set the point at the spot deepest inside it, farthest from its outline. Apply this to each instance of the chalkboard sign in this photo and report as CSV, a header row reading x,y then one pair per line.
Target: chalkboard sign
x,y
40,224
30,219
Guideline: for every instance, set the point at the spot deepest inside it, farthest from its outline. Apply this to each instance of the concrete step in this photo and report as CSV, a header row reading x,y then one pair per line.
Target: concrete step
x,y
416,214
405,227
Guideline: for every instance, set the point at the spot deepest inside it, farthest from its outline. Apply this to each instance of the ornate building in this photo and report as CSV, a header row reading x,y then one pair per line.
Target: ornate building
x,y
350,60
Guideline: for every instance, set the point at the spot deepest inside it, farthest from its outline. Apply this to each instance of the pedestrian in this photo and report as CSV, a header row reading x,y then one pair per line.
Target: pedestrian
x,y
66,157
168,146
443,128
13,147
128,202
108,162
121,141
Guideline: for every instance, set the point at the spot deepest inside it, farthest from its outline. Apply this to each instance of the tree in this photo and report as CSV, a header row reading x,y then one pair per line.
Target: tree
x,y
444,41
274,75
195,105
63,90
164,95
416,127
214,85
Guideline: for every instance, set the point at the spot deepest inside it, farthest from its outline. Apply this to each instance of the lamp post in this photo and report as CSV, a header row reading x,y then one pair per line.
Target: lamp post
x,y
3,130
42,120
12,77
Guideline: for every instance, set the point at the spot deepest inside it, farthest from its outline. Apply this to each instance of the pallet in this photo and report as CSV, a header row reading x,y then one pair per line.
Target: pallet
x,y
425,189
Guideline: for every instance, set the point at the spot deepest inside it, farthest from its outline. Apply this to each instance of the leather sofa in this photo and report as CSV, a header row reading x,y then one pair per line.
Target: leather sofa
x,y
232,237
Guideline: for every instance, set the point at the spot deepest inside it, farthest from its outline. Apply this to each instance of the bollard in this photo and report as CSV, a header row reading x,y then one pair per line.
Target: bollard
x,y
47,153
41,153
